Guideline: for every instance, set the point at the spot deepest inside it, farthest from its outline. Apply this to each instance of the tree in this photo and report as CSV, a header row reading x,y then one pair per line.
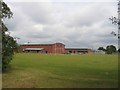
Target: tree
x,y
101,48
116,21
110,49
8,42
119,50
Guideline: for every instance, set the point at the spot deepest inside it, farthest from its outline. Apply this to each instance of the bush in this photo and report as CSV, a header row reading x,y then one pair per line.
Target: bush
x,y
8,42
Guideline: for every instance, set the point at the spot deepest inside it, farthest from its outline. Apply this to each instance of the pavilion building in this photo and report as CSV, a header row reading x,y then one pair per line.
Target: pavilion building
x,y
56,48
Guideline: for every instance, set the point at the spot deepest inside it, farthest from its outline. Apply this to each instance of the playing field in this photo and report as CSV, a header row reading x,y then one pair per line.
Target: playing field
x,y
62,71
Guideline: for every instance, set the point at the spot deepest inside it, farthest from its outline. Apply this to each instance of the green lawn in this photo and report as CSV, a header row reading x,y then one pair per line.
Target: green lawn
x,y
62,71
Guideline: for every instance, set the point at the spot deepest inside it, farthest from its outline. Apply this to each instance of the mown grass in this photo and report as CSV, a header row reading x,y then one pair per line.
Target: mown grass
x,y
62,71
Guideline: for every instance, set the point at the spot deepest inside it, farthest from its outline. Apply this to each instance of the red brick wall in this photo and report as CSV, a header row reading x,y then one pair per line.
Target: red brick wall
x,y
75,51
57,48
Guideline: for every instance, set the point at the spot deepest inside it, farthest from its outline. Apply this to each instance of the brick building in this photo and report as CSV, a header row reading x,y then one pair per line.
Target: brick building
x,y
78,50
56,48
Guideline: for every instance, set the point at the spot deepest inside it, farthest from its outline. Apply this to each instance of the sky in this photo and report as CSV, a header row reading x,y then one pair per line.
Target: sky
x,y
75,23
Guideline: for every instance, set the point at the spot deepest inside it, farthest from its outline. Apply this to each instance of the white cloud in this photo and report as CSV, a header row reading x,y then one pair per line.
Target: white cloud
x,y
61,0
74,24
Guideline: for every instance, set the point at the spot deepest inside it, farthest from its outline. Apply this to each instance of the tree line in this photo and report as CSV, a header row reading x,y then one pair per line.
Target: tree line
x,y
110,49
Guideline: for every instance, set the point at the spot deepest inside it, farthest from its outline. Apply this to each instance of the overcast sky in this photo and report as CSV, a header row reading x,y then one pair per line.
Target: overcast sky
x,y
76,23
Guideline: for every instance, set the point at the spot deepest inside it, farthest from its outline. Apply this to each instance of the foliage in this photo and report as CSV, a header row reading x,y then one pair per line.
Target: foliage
x,y
101,48
110,49
119,50
18,49
116,21
6,12
8,42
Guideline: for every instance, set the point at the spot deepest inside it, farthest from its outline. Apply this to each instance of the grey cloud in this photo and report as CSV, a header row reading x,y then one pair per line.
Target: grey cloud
x,y
39,35
86,16
75,26
38,12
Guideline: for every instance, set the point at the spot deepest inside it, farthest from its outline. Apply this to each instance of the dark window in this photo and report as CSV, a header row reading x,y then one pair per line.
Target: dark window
x,y
78,51
70,51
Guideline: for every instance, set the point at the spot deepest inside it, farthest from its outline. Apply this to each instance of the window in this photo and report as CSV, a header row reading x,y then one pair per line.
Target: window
x,y
70,51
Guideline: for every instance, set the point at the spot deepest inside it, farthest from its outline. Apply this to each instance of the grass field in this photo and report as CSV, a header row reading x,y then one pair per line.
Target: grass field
x,y
62,71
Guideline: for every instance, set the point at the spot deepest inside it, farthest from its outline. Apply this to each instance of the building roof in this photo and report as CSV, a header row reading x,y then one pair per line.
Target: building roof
x,y
34,49
29,44
34,44
77,49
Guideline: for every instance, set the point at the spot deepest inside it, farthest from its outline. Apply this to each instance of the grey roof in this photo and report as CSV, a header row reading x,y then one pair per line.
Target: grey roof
x,y
29,44
77,49
33,48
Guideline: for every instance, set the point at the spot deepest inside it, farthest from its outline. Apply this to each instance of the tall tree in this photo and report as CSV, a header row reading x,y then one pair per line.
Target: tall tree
x,y
0,38
110,49
119,50
116,21
8,42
